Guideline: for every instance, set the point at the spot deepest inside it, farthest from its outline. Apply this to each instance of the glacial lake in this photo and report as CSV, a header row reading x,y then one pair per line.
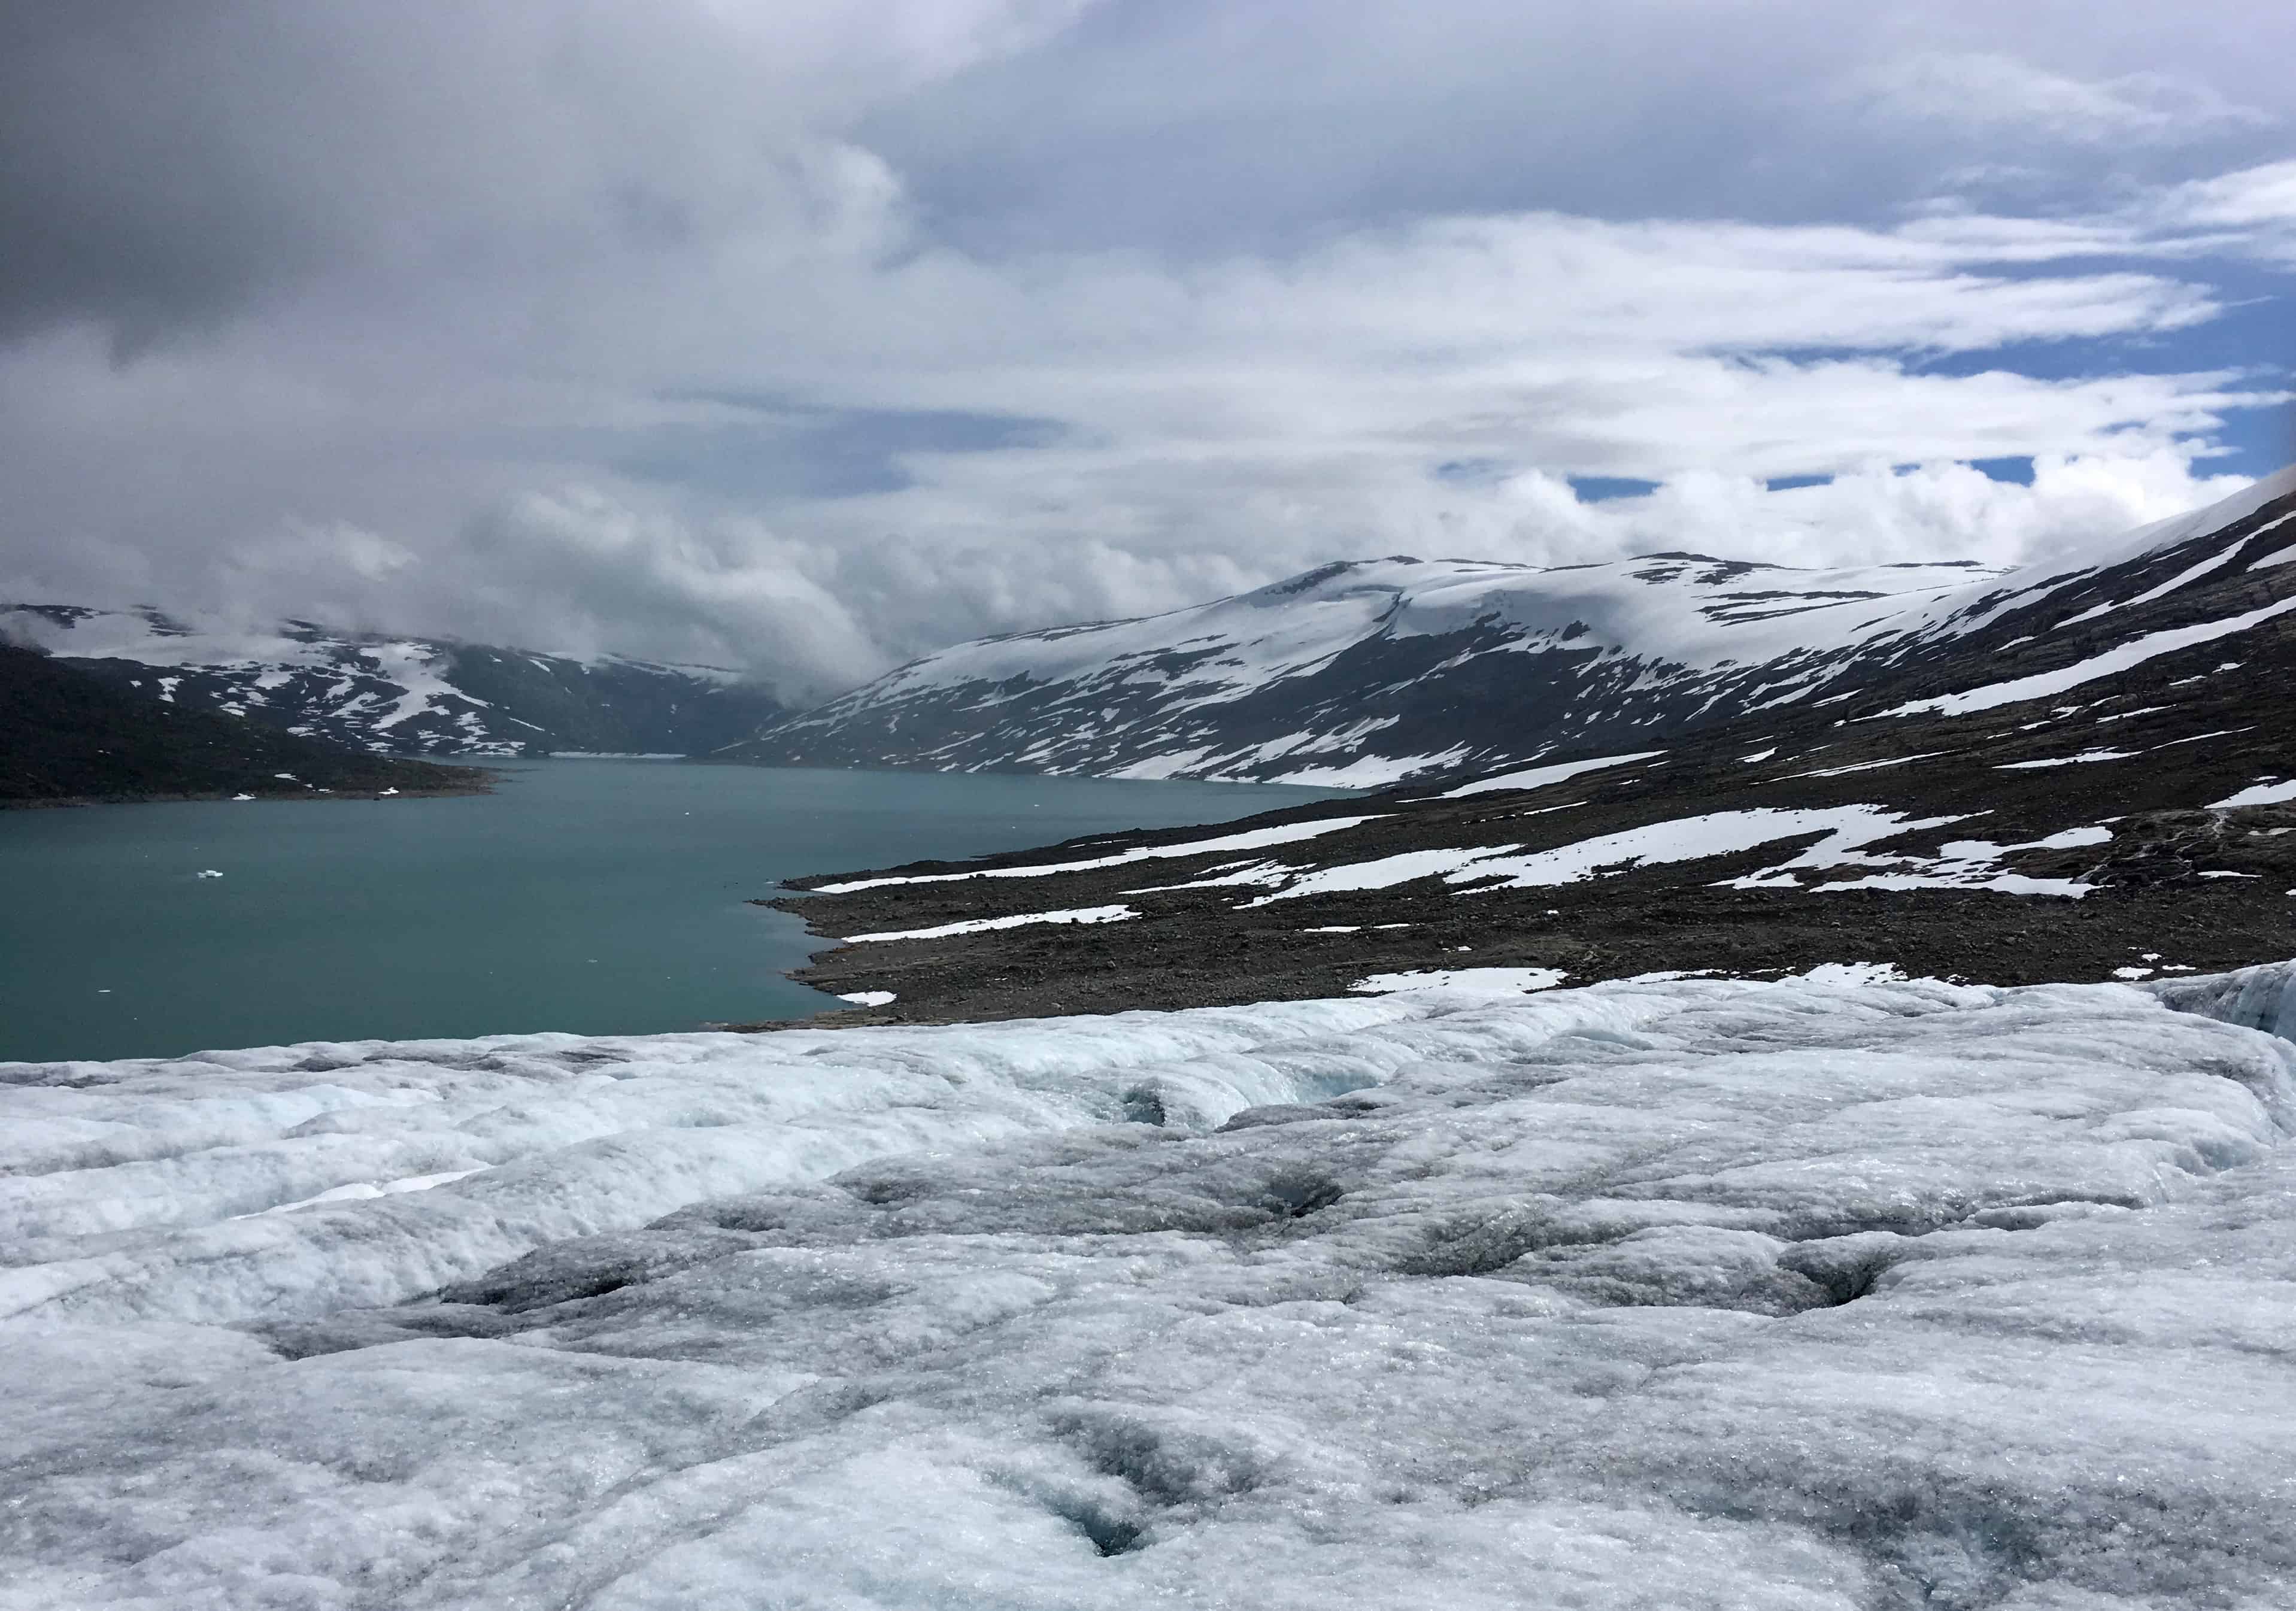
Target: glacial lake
x,y
605,897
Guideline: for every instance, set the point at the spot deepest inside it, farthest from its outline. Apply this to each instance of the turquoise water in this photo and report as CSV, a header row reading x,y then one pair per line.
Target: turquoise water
x,y
599,897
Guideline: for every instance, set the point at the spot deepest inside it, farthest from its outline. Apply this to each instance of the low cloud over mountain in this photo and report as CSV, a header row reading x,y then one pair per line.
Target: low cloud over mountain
x,y
809,340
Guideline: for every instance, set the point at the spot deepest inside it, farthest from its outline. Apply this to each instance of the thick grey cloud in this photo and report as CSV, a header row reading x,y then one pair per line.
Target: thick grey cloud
x,y
811,335
127,195
776,447
173,164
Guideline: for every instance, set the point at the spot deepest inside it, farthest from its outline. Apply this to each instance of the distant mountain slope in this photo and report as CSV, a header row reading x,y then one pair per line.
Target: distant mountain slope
x,y
1367,673
66,735
405,696
2095,780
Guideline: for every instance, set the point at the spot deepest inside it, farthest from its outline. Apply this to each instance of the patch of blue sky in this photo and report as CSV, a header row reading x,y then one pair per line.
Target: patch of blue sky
x,y
2250,338
1599,489
2016,468
2247,341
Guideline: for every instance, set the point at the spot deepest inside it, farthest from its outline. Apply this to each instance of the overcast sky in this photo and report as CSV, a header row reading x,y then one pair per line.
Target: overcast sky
x,y
805,336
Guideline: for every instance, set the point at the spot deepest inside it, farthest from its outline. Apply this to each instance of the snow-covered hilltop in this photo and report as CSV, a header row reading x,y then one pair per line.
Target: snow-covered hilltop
x,y
1360,674
1825,1294
68,737
400,695
1365,673
1354,674
2057,776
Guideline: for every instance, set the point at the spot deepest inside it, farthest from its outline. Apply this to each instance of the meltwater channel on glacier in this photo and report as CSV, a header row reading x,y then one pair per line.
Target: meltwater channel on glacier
x,y
591,896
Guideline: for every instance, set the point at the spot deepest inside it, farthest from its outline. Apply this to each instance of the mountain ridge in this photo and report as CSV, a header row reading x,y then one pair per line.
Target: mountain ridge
x,y
1364,673
2091,776
401,694
69,737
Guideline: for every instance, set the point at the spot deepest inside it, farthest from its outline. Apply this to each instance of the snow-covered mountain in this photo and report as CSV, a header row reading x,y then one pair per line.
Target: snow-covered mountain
x,y
2067,774
1368,673
67,737
400,695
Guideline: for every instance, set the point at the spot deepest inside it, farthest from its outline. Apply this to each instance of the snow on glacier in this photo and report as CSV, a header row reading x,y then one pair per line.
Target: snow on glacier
x,y
1842,1295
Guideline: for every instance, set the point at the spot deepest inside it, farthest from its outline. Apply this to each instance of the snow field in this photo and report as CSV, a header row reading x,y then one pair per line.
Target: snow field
x,y
1717,833
2266,793
1699,611
1252,838
1538,777
1477,981
1080,914
1847,830
1832,1294
2086,757
2119,659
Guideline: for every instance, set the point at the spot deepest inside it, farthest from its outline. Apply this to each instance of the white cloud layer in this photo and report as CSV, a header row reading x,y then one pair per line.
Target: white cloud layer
x,y
1980,93
671,336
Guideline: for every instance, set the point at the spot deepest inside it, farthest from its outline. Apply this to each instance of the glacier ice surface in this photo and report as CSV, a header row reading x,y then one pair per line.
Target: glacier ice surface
x,y
1845,1293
